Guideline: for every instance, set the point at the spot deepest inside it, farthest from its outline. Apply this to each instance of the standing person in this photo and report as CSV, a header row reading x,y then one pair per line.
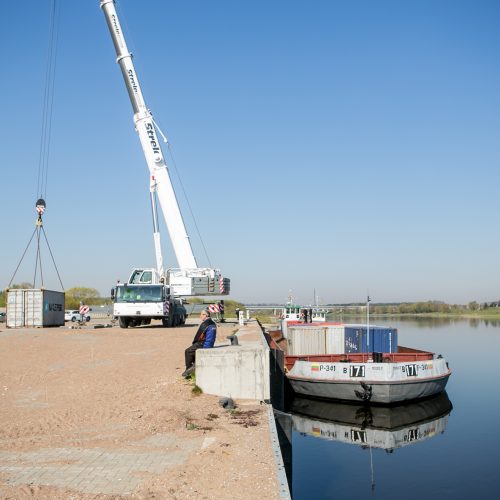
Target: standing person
x,y
221,311
237,315
204,339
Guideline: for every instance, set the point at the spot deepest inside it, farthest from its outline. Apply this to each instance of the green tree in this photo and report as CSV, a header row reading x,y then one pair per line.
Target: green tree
x,y
24,285
79,294
3,293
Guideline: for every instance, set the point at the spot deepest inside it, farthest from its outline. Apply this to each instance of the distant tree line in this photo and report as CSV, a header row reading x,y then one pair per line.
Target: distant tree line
x,y
91,296
417,308
428,307
475,306
73,296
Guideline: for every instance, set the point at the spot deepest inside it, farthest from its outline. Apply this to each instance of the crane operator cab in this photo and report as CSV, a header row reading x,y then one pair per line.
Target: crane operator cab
x,y
144,276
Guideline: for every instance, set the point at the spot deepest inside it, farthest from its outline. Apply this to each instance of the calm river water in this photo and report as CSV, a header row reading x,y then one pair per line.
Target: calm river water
x,y
446,447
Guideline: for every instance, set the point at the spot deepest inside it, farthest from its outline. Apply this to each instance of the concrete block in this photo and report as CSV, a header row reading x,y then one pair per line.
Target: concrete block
x,y
240,371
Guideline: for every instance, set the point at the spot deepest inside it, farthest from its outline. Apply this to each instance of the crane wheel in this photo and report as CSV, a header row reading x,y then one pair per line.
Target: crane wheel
x,y
123,322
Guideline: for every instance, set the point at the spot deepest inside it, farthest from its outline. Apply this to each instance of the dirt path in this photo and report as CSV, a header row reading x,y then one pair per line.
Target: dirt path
x,y
104,413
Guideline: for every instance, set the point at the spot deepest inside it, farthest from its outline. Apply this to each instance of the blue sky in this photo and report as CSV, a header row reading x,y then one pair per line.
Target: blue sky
x,y
343,147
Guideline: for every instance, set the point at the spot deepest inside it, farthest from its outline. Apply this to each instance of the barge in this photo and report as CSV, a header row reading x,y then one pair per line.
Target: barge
x,y
357,363
385,378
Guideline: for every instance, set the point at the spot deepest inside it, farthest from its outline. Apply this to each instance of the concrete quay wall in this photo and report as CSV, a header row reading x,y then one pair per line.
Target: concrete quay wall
x,y
236,371
245,371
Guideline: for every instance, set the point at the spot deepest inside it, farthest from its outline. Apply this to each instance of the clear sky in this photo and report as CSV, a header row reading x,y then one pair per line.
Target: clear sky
x,y
347,147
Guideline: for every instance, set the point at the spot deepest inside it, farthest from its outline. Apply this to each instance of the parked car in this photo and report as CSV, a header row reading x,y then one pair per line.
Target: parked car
x,y
3,317
75,316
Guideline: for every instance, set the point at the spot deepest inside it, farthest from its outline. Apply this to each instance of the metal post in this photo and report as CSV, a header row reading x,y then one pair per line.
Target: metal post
x,y
368,322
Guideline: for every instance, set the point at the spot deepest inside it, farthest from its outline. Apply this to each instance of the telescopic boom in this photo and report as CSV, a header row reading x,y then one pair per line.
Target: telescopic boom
x,y
159,177
189,279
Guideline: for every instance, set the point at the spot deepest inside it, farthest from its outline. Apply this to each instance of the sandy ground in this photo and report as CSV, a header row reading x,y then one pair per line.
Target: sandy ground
x,y
68,394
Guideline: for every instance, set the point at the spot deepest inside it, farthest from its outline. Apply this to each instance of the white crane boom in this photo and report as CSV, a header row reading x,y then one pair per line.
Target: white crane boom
x,y
189,279
159,176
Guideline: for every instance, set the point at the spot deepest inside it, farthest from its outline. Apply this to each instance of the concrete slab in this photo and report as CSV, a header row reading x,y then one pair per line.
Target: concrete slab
x,y
236,371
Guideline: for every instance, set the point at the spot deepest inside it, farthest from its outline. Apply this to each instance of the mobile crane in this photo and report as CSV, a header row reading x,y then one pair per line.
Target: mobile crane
x,y
153,292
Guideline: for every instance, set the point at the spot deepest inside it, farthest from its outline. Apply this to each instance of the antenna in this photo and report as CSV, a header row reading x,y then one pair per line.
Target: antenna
x,y
368,300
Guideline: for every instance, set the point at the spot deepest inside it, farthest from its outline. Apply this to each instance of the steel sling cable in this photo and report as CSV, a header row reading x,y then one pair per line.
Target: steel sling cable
x,y
47,104
43,160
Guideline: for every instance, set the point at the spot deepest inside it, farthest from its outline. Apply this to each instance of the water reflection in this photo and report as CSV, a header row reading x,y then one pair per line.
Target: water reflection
x,y
371,428
460,463
429,322
387,428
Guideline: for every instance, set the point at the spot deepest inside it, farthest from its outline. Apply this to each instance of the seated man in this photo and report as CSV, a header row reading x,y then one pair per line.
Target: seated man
x,y
204,338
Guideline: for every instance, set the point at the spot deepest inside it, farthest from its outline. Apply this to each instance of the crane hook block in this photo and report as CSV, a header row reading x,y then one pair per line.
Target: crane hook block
x,y
40,209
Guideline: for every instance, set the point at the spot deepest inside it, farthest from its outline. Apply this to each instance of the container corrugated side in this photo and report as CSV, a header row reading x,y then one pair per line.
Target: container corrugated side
x,y
381,339
335,339
304,340
53,308
355,339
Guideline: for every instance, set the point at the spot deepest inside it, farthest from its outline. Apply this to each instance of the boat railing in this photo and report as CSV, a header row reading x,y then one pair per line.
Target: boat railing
x,y
396,357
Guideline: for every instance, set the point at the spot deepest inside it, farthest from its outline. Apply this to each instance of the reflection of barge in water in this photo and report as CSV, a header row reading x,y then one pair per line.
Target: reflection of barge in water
x,y
382,427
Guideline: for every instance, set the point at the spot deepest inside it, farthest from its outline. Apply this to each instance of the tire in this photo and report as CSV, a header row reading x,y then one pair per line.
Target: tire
x,y
123,322
168,321
87,318
73,319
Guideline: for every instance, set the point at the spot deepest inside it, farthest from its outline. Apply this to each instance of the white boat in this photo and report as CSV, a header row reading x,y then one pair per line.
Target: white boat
x,y
318,316
292,313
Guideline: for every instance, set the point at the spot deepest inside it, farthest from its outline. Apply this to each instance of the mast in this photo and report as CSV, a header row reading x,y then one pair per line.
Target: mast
x,y
160,182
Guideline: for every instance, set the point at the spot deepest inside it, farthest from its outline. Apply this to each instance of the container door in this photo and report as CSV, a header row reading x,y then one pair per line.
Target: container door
x,y
15,308
33,308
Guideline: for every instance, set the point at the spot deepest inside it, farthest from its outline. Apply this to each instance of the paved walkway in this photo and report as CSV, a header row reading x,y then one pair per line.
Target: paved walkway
x,y
76,405
97,470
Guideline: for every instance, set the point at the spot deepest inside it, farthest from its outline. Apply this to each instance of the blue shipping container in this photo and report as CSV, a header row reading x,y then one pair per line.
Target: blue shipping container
x,y
381,339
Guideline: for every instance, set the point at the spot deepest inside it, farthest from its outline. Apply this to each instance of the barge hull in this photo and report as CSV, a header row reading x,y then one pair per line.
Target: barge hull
x,y
372,392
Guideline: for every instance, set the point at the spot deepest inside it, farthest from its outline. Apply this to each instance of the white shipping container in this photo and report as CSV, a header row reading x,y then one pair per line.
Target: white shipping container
x,y
335,339
303,340
34,307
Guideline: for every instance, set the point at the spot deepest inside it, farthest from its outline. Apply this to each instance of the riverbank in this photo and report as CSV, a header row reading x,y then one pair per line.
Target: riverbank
x,y
486,315
104,413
